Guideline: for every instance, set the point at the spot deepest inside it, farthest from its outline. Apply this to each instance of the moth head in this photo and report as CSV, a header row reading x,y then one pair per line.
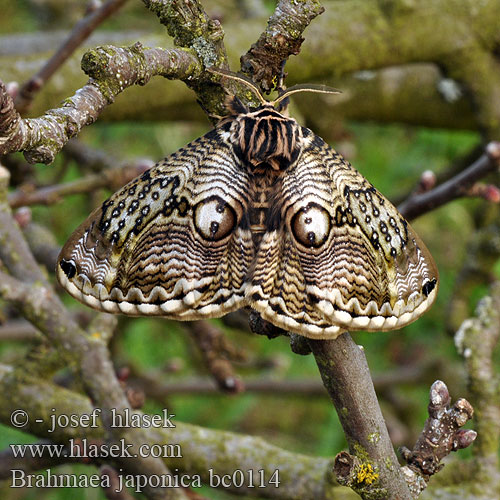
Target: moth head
x,y
262,137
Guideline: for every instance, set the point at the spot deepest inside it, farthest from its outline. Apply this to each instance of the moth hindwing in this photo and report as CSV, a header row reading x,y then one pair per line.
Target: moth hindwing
x,y
258,212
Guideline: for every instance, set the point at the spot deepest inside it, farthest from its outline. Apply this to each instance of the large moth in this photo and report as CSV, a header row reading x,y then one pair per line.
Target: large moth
x,y
259,212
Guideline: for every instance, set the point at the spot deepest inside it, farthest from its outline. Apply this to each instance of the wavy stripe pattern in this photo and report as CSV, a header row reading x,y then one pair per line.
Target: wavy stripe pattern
x,y
259,212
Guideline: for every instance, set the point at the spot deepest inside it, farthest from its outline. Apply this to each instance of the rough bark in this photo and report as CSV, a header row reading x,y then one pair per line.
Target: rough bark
x,y
346,376
408,94
476,340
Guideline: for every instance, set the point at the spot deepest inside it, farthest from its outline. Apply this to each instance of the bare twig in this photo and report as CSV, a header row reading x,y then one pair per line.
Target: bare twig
x,y
457,186
156,389
431,179
88,158
215,348
19,330
441,435
79,34
281,39
112,179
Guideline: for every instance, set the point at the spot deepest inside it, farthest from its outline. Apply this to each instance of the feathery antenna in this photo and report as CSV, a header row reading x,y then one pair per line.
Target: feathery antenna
x,y
322,89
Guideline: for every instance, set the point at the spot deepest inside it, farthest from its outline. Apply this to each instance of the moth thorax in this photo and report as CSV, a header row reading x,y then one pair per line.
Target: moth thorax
x,y
265,138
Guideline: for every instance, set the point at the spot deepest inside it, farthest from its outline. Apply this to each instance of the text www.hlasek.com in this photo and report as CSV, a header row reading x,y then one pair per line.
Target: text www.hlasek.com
x,y
83,449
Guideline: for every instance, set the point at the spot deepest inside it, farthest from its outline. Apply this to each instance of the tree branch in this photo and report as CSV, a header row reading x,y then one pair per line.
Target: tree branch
x,y
156,389
87,351
78,35
441,435
18,330
14,251
282,38
112,179
191,28
346,376
111,71
457,186
113,492
301,476
476,341
214,348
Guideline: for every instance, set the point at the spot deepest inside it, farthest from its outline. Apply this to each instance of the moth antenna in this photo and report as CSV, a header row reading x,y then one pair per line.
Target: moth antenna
x,y
240,78
217,117
321,89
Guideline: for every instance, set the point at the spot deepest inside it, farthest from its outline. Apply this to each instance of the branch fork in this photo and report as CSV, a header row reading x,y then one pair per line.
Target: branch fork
x,y
441,435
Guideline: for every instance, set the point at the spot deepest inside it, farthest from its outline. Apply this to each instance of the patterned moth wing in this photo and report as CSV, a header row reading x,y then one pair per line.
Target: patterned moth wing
x,y
259,212
173,242
337,254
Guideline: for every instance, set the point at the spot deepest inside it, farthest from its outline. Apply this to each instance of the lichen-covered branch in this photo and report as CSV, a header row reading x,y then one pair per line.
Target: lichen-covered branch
x,y
394,94
369,35
77,36
282,38
441,435
477,340
191,28
112,70
346,376
371,468
301,477
87,352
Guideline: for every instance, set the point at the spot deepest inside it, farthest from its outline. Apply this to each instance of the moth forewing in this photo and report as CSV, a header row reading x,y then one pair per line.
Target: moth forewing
x,y
344,259
175,240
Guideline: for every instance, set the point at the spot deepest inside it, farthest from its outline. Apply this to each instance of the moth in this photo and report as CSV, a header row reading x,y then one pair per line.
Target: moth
x,y
260,212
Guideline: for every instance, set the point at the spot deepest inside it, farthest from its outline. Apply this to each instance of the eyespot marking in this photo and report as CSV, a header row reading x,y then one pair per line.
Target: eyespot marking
x,y
311,225
214,218
429,286
68,268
